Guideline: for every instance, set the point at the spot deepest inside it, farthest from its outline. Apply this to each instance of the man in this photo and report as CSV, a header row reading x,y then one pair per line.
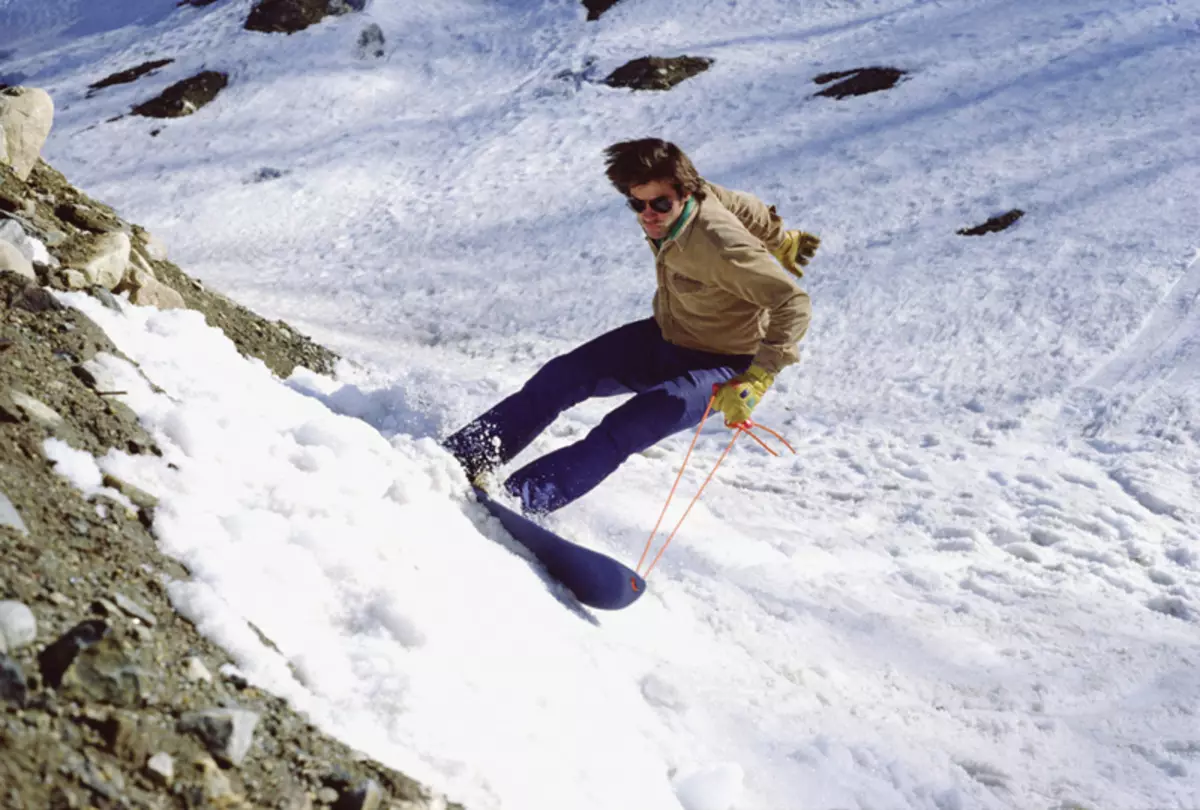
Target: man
x,y
725,312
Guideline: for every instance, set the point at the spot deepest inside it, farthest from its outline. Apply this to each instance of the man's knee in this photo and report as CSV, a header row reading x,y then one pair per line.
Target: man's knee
x,y
565,378
643,422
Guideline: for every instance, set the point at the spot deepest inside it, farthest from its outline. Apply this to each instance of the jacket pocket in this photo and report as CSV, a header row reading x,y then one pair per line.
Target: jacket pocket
x,y
685,285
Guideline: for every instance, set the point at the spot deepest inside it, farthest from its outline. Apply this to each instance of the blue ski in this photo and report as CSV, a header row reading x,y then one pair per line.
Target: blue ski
x,y
596,580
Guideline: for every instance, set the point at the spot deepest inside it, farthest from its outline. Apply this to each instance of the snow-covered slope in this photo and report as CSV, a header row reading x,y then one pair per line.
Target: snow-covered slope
x,y
974,586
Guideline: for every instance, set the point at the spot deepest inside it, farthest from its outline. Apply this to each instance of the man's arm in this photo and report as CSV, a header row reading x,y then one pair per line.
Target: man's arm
x,y
758,218
744,268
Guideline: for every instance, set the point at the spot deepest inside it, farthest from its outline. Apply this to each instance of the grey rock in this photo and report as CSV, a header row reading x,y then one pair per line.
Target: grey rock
x,y
16,232
101,778
106,258
140,498
134,609
76,280
228,733
107,673
105,297
371,42
10,517
138,271
26,115
35,410
214,788
161,769
12,681
153,293
195,671
18,626
103,607
13,260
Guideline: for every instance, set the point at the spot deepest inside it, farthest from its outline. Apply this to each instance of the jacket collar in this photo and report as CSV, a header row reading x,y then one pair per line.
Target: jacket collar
x,y
678,229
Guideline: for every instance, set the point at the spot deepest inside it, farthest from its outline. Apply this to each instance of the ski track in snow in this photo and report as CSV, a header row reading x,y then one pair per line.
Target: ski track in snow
x,y
977,582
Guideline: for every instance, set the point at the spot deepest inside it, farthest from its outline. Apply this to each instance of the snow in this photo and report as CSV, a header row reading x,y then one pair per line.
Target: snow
x,y
974,586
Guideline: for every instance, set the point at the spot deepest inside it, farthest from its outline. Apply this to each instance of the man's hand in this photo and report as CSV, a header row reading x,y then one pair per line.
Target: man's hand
x,y
797,249
738,397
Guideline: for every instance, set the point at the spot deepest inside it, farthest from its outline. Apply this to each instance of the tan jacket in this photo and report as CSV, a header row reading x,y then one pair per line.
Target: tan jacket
x,y
720,289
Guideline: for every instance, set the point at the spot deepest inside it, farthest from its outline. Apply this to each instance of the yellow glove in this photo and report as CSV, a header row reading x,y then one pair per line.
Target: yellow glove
x,y
737,398
797,248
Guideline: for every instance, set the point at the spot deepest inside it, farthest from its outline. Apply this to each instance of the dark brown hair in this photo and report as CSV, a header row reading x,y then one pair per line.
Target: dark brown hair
x,y
634,163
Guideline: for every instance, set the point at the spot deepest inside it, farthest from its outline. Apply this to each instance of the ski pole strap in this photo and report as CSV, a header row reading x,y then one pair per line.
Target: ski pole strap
x,y
747,428
671,494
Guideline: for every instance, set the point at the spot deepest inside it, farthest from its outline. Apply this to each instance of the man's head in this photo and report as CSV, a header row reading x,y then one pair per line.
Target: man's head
x,y
656,177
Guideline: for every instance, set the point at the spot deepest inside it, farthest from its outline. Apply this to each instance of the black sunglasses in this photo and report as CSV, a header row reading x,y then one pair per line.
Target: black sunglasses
x,y
662,205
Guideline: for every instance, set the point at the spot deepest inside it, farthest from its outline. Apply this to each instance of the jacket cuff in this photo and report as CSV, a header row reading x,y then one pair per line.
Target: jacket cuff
x,y
774,359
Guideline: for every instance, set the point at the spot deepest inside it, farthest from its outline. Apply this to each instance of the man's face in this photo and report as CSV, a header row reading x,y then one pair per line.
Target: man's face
x,y
657,194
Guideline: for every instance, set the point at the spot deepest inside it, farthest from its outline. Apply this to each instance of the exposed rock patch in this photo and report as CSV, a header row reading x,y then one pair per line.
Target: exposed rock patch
x,y
995,224
656,72
859,82
127,76
185,97
371,42
597,7
286,16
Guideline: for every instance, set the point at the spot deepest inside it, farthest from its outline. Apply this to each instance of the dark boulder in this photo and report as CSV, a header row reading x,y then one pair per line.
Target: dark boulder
x,y
656,72
859,82
185,97
286,16
597,7
995,224
127,76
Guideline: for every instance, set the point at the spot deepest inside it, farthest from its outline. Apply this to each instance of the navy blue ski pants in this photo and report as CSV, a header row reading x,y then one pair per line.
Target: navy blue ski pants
x,y
672,386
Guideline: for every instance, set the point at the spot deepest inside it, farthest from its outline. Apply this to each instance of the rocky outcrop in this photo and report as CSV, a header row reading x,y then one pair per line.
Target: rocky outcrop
x,y
109,698
995,224
127,76
290,16
26,114
656,72
859,81
286,16
185,97
597,7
